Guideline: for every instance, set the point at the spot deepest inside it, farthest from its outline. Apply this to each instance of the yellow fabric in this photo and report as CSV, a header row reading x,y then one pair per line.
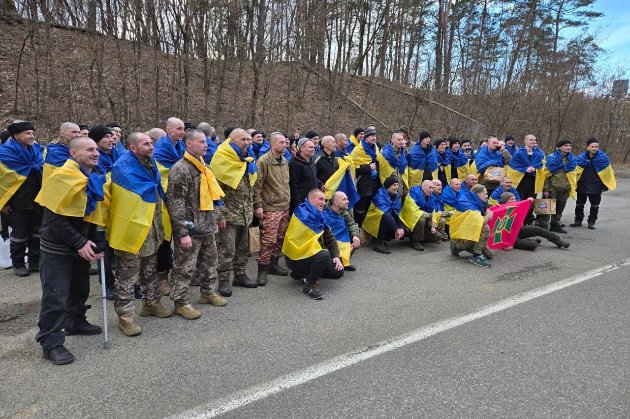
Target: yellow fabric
x,y
10,182
410,213
129,221
436,217
385,170
166,219
372,221
300,242
209,189
572,178
466,225
333,181
359,156
354,140
228,167
416,175
462,172
63,192
473,168
100,216
345,250
517,177
450,209
608,177
48,170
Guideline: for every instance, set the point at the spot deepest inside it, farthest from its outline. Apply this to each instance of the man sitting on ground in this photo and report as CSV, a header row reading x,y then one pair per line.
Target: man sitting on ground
x,y
383,217
343,226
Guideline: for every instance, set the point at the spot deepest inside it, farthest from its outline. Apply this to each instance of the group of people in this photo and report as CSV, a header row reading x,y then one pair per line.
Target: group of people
x,y
173,207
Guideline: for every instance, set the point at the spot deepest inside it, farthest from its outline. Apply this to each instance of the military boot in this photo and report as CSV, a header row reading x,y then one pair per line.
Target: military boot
x,y
224,288
242,280
559,242
261,279
275,269
128,325
154,309
188,312
416,245
163,286
212,298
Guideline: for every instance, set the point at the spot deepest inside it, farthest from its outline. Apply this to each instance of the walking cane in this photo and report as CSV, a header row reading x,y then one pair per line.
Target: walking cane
x,y
106,343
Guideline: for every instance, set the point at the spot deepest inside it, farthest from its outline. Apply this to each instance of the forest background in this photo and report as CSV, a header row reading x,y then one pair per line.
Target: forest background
x,y
468,68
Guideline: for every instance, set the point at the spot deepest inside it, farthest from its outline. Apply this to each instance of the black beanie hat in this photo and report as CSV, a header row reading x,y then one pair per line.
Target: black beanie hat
x,y
390,181
113,125
439,142
452,141
509,137
591,141
312,134
255,133
189,125
369,133
98,132
424,134
563,142
228,131
358,131
17,127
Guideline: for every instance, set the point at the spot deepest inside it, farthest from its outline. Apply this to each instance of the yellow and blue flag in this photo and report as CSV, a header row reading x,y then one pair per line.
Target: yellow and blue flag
x,y
365,153
419,160
484,158
467,221
72,192
382,203
602,166
459,161
134,194
337,224
301,240
519,163
229,166
391,163
343,181
16,163
555,162
56,156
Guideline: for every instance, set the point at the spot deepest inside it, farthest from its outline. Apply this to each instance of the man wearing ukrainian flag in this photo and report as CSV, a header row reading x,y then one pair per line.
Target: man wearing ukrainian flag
x,y
21,166
234,166
417,214
383,217
393,161
135,231
69,242
168,150
365,159
355,140
423,161
310,246
344,228
594,175
193,200
57,151
526,168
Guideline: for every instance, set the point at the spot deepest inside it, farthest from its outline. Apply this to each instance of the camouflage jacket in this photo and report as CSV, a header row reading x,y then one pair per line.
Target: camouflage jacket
x,y
183,202
238,204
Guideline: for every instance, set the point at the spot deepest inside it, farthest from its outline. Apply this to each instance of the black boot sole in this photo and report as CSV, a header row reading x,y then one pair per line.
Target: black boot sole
x,y
79,333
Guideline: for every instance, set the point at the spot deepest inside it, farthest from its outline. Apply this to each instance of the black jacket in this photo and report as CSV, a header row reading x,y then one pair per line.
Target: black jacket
x,y
63,235
24,197
302,179
325,166
366,185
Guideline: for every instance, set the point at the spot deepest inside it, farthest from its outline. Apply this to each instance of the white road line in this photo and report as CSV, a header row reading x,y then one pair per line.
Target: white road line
x,y
261,391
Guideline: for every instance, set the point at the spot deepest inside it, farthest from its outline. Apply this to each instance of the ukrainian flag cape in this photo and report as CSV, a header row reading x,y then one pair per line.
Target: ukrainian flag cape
x,y
520,162
602,166
365,153
444,159
337,224
449,197
229,166
389,163
71,192
353,143
166,155
56,156
460,161
260,149
419,159
381,204
118,150
410,213
342,180
467,222
555,162
301,240
485,158
512,150
495,198
105,161
134,194
287,154
16,163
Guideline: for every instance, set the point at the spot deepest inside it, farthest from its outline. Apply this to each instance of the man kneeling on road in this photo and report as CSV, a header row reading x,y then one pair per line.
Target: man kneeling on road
x,y
310,246
342,224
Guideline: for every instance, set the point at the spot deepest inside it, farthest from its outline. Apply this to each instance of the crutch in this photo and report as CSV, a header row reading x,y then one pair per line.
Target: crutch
x,y
106,343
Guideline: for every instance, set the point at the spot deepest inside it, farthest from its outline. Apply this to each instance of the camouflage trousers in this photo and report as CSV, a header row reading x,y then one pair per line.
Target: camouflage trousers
x,y
199,260
130,268
233,250
275,224
476,248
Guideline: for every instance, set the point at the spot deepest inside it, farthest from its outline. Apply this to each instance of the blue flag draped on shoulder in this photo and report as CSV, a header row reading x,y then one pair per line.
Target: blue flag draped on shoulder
x,y
16,163
381,204
419,160
342,180
389,163
56,156
118,150
555,162
365,153
459,160
467,221
261,149
339,228
301,240
229,166
134,195
602,166
485,158
212,148
521,161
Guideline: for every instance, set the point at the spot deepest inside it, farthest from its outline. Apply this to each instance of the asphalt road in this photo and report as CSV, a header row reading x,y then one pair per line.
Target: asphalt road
x,y
563,353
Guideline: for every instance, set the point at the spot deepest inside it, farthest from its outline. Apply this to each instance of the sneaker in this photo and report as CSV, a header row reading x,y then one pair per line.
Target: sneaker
x,y
350,268
58,355
479,260
81,328
21,272
297,278
313,291
488,253
213,299
454,250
